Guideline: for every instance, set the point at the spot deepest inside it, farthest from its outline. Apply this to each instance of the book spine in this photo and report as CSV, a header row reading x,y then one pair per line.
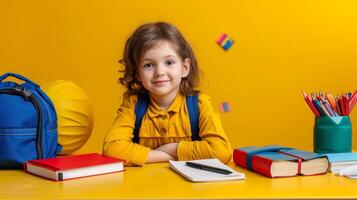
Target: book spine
x,y
259,164
239,158
262,165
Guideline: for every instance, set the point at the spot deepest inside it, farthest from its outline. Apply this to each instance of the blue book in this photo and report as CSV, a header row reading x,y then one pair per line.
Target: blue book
x,y
341,157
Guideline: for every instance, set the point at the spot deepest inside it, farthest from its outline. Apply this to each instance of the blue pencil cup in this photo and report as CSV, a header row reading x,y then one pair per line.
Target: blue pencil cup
x,y
332,134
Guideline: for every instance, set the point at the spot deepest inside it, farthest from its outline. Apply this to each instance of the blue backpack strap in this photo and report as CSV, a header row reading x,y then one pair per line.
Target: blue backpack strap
x,y
140,109
193,111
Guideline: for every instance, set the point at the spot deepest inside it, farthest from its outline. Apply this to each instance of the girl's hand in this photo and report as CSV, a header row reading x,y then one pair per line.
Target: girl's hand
x,y
170,148
159,156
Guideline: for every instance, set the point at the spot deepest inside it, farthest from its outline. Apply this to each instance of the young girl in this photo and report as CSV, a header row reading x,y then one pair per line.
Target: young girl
x,y
160,63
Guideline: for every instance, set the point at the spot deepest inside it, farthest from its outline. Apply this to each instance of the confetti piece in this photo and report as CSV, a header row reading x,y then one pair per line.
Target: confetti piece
x,y
226,107
225,42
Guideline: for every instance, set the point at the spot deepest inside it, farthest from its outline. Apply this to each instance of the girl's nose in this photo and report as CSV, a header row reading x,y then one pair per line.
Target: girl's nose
x,y
160,70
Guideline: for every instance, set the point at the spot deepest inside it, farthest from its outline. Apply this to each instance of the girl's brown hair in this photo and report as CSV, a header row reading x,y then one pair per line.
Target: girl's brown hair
x,y
146,37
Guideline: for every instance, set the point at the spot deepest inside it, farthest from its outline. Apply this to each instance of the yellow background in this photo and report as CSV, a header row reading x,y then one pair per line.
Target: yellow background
x,y
280,48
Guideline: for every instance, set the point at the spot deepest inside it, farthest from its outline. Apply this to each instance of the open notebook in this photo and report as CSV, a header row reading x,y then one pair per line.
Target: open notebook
x,y
199,175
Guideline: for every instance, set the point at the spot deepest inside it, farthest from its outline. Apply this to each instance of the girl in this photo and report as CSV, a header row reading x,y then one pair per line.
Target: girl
x,y
160,63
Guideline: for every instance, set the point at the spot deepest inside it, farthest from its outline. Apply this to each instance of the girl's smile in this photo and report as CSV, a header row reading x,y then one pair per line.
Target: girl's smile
x,y
160,82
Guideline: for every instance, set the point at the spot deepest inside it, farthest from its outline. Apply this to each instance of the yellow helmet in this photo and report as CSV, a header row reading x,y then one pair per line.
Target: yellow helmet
x,y
74,113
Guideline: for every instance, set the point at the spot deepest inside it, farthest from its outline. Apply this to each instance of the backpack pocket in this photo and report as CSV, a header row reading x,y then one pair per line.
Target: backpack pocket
x,y
17,146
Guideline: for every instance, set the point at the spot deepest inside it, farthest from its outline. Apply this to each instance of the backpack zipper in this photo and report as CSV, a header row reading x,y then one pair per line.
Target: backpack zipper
x,y
18,90
46,106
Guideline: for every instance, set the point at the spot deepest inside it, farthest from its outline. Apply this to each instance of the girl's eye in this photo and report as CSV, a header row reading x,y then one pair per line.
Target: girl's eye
x,y
170,62
147,65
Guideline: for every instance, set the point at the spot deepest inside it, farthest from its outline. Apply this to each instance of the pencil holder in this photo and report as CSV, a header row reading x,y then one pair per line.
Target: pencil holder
x,y
332,134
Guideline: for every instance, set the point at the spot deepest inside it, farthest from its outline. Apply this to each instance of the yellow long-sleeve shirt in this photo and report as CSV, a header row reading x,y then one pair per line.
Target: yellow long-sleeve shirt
x,y
160,127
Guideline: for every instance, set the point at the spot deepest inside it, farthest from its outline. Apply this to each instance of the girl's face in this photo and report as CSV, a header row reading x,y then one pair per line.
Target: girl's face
x,y
161,69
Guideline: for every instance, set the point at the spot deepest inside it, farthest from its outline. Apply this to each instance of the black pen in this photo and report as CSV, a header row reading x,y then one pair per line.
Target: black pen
x,y
208,168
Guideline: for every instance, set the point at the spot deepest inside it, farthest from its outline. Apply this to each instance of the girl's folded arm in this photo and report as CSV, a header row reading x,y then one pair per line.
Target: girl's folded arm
x,y
214,142
118,141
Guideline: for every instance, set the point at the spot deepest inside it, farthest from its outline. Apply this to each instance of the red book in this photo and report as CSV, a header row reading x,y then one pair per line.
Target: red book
x,y
74,166
285,162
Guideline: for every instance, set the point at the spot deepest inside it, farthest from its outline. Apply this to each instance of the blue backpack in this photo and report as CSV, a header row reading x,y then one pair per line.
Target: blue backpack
x,y
192,107
28,123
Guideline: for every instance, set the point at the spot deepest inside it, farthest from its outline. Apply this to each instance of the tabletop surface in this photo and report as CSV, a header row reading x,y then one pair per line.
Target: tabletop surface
x,y
154,181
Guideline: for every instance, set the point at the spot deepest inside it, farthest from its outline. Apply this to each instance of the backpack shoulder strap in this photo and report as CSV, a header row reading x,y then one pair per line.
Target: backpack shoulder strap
x,y
193,111
140,109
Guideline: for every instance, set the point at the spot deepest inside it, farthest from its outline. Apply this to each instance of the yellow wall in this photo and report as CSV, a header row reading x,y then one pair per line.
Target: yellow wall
x,y
281,47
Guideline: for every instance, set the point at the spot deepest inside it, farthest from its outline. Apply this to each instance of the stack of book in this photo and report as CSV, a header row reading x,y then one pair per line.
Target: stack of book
x,y
338,161
278,161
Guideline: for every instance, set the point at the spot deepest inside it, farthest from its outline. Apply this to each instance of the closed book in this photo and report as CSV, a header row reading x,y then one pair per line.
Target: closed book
x,y
202,175
278,161
74,166
338,161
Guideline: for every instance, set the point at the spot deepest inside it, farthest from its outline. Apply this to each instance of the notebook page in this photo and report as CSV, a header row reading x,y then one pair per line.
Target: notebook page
x,y
198,175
